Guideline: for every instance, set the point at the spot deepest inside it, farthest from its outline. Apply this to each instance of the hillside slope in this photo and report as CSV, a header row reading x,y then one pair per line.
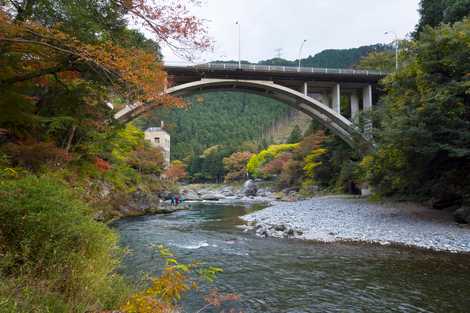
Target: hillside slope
x,y
216,118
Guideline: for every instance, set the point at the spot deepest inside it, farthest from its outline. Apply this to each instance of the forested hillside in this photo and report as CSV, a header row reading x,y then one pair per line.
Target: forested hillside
x,y
217,118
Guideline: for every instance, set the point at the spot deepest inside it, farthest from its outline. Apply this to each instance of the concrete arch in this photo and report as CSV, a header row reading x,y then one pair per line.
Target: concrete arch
x,y
330,119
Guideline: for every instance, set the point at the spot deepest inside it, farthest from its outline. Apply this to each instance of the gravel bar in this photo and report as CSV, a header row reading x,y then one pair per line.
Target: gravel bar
x,y
338,218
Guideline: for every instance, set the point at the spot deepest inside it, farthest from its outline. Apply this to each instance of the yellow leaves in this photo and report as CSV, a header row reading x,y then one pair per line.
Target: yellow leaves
x,y
311,161
257,160
167,289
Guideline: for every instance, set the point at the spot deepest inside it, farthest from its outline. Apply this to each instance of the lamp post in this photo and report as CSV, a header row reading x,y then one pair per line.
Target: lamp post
x,y
239,44
396,47
300,51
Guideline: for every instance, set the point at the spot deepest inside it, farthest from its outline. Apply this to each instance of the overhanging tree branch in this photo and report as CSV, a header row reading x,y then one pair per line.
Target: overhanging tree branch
x,y
38,73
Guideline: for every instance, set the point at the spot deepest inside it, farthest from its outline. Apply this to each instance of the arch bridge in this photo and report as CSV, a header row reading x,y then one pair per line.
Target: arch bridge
x,y
314,91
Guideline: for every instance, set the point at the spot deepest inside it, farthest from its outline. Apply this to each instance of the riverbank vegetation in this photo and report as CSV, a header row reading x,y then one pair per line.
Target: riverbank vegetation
x,y
64,162
423,122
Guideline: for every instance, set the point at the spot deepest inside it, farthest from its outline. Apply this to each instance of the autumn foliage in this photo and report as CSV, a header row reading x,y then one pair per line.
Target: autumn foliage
x,y
177,279
235,166
176,171
34,155
102,165
135,74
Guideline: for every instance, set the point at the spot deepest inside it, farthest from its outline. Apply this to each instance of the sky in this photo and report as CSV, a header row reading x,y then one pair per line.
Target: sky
x,y
268,25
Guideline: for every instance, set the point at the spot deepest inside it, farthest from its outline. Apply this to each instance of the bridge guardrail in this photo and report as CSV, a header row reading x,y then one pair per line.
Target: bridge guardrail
x,y
281,69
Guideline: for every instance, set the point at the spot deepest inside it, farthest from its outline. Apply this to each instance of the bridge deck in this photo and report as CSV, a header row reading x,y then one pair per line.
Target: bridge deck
x,y
270,72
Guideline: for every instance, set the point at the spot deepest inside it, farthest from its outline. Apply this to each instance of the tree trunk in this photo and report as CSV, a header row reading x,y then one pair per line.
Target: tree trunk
x,y
70,139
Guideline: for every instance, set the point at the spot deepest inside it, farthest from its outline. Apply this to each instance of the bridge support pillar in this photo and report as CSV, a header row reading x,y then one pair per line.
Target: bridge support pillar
x,y
336,98
354,105
367,106
305,89
367,98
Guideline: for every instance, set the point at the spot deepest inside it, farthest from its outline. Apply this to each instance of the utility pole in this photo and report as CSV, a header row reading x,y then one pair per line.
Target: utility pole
x,y
278,52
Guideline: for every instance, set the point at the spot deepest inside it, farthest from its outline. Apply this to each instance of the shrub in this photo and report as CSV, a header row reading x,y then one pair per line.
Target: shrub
x,y
235,166
258,160
48,240
176,280
147,160
34,155
176,171
276,166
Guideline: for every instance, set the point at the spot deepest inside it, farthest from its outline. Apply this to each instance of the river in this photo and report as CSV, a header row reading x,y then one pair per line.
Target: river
x,y
281,275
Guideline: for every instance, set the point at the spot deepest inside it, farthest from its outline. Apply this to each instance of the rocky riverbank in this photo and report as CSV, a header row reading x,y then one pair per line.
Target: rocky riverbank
x,y
337,218
250,191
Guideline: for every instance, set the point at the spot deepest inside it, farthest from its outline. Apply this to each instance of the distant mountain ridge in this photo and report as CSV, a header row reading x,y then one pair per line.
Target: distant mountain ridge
x,y
331,58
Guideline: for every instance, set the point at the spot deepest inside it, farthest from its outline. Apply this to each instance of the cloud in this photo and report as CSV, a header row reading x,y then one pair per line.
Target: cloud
x,y
267,25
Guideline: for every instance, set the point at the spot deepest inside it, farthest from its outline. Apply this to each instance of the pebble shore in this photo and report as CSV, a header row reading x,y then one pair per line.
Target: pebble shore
x,y
337,218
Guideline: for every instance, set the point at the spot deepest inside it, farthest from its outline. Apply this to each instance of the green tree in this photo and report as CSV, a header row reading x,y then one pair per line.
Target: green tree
x,y
295,136
424,143
435,12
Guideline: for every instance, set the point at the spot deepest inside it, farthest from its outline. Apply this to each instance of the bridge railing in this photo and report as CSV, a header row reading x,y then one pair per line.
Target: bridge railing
x,y
280,69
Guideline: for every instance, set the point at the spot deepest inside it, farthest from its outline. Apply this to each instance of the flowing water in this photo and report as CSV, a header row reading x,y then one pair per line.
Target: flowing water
x,y
280,275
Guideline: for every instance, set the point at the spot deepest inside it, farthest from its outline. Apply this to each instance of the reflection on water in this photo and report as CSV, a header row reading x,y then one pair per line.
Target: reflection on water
x,y
273,275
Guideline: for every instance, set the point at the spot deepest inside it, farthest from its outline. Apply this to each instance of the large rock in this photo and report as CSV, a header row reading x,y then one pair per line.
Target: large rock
x,y
227,191
449,201
462,215
140,203
212,196
191,195
249,188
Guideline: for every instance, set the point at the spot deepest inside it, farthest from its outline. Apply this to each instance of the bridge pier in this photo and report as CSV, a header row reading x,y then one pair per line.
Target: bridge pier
x,y
367,106
336,98
354,105
367,98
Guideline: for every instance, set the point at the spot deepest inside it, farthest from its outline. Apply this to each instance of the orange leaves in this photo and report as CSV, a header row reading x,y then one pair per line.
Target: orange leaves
x,y
166,291
176,171
102,165
216,299
235,166
135,74
34,155
170,22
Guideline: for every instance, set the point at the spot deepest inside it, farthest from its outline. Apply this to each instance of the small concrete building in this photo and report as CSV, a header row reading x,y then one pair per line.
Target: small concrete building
x,y
159,138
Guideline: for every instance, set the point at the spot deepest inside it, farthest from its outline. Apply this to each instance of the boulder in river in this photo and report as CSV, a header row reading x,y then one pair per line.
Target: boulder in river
x,y
250,188
141,202
462,215
212,196
191,195
449,201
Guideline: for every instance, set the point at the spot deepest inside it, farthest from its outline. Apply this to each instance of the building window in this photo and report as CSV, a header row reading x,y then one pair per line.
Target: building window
x,y
156,140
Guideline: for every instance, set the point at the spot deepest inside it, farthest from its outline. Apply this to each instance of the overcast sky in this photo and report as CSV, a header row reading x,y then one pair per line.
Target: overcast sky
x,y
267,25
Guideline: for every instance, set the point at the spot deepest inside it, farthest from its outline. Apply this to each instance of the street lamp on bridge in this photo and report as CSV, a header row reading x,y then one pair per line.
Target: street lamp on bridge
x,y
300,51
396,47
239,48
